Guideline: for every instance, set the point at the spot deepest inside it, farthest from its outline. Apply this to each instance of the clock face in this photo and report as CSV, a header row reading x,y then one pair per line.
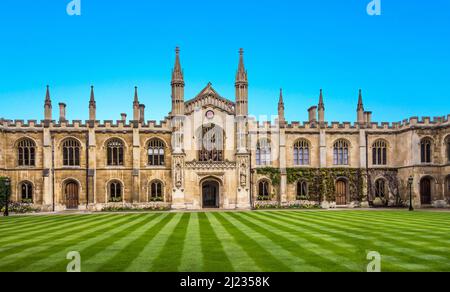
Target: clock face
x,y
210,115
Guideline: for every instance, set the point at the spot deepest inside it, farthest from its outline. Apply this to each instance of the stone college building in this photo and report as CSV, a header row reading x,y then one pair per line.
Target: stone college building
x,y
208,153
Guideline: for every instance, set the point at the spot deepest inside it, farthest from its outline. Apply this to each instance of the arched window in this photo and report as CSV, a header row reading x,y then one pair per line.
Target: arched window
x,y
380,188
425,150
115,153
26,192
26,152
379,153
156,191
263,191
340,153
301,152
211,142
71,153
155,152
263,152
115,192
302,190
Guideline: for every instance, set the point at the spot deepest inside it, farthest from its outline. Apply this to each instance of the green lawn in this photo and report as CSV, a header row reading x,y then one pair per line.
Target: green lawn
x,y
244,241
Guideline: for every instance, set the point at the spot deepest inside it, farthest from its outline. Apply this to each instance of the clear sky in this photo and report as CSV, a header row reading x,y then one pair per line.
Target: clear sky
x,y
400,59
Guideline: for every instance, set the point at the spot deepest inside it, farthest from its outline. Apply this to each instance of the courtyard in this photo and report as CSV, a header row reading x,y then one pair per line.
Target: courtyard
x,y
228,241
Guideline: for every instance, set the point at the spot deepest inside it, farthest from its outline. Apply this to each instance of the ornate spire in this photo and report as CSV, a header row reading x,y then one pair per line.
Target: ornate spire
x,y
241,75
281,101
92,99
136,97
321,103
360,101
48,101
48,105
177,73
281,117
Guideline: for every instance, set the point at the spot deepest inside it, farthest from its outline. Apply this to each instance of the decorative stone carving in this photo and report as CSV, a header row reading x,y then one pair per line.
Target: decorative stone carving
x,y
209,165
243,171
178,171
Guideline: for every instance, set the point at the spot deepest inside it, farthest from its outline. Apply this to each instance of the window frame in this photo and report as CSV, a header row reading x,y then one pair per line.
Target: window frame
x,y
302,152
263,154
264,188
380,153
115,187
341,152
157,157
426,150
71,153
115,153
26,153
29,189
156,191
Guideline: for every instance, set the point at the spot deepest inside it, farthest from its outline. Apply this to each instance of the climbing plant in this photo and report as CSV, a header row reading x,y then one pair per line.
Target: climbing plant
x,y
4,192
321,182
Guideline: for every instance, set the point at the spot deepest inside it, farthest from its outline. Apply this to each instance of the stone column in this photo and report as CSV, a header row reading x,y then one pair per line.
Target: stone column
x,y
47,190
283,164
178,160
323,149
92,175
135,197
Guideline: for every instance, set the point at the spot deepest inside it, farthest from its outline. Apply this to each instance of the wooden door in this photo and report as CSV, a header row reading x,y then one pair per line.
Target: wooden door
x,y
341,193
210,194
72,196
425,191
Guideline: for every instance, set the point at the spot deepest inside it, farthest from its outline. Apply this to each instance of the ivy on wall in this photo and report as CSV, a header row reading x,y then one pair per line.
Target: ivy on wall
x,y
3,191
390,176
321,182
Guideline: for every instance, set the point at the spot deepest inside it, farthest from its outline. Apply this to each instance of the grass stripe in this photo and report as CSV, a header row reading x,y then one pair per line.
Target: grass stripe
x,y
377,240
192,257
38,226
314,248
281,245
169,259
240,260
255,249
88,248
214,257
151,249
119,254
34,238
24,252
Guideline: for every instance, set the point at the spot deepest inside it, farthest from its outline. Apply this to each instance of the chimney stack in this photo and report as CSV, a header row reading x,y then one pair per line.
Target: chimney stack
x,y
62,112
312,114
124,117
142,113
368,117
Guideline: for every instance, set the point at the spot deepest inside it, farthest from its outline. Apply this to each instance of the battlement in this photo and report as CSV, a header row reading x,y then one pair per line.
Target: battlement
x,y
78,124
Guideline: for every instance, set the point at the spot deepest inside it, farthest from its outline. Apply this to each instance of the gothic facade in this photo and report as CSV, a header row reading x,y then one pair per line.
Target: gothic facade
x,y
209,153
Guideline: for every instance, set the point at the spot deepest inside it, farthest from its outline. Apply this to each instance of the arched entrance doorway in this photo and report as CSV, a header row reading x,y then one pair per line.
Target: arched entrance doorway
x,y
210,194
425,191
71,195
341,192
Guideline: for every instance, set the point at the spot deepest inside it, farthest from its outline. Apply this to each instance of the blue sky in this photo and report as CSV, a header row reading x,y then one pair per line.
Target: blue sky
x,y
400,59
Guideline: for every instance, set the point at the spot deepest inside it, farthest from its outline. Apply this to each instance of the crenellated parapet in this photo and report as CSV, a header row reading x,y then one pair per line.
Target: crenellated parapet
x,y
77,125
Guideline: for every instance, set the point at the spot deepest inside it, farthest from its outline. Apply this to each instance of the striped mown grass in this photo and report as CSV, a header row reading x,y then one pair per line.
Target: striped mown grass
x,y
228,241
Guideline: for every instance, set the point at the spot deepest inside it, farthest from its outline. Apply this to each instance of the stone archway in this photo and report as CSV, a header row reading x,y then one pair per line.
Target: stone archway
x,y
210,194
